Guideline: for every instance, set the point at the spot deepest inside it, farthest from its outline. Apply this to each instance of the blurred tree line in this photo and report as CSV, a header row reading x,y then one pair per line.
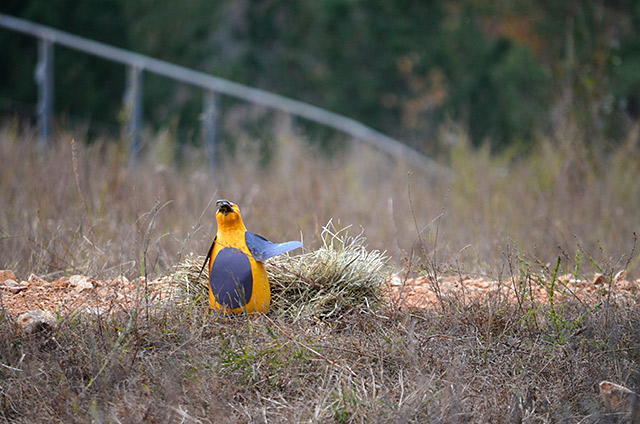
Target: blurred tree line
x,y
508,71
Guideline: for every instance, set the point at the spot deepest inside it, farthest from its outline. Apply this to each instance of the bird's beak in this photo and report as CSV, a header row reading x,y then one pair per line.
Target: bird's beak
x,y
224,206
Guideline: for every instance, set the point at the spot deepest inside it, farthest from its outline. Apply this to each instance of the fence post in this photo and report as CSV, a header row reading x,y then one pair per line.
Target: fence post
x,y
209,128
44,79
133,108
133,97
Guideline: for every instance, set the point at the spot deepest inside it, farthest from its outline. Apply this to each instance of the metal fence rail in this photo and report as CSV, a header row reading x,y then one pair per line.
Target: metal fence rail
x,y
137,64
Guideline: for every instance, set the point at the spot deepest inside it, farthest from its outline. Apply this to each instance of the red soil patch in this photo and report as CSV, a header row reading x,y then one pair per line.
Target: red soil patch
x,y
422,292
77,293
85,294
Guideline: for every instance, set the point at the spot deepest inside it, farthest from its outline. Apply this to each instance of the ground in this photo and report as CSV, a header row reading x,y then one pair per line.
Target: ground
x,y
468,355
84,293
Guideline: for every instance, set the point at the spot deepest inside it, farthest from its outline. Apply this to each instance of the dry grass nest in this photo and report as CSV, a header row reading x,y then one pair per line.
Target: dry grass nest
x,y
340,276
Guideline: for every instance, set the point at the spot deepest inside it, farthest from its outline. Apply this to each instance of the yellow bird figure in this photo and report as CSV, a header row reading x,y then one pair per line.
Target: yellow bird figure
x,y
237,277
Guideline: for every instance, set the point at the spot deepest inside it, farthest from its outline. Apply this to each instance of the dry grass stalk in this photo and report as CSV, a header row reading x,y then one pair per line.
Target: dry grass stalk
x,y
340,276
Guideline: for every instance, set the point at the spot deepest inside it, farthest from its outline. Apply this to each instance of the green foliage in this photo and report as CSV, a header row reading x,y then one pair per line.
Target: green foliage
x,y
504,97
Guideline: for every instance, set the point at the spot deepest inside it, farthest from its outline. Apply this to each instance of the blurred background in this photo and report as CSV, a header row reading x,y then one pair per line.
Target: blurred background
x,y
533,106
508,71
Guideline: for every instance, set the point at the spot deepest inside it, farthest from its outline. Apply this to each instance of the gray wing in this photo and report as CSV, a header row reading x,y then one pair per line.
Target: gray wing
x,y
263,249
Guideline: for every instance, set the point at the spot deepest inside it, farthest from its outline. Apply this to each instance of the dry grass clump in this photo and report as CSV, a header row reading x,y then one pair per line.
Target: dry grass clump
x,y
340,276
188,284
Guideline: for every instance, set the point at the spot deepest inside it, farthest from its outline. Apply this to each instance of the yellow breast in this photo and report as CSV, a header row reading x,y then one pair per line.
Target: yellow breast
x,y
230,241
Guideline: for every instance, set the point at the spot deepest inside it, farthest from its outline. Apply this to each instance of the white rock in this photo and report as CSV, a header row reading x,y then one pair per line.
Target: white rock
x,y
120,279
36,321
96,311
14,286
620,399
35,280
7,274
396,281
11,283
80,282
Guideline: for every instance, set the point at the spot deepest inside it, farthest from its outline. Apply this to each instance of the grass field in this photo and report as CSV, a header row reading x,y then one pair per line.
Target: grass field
x,y
563,208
